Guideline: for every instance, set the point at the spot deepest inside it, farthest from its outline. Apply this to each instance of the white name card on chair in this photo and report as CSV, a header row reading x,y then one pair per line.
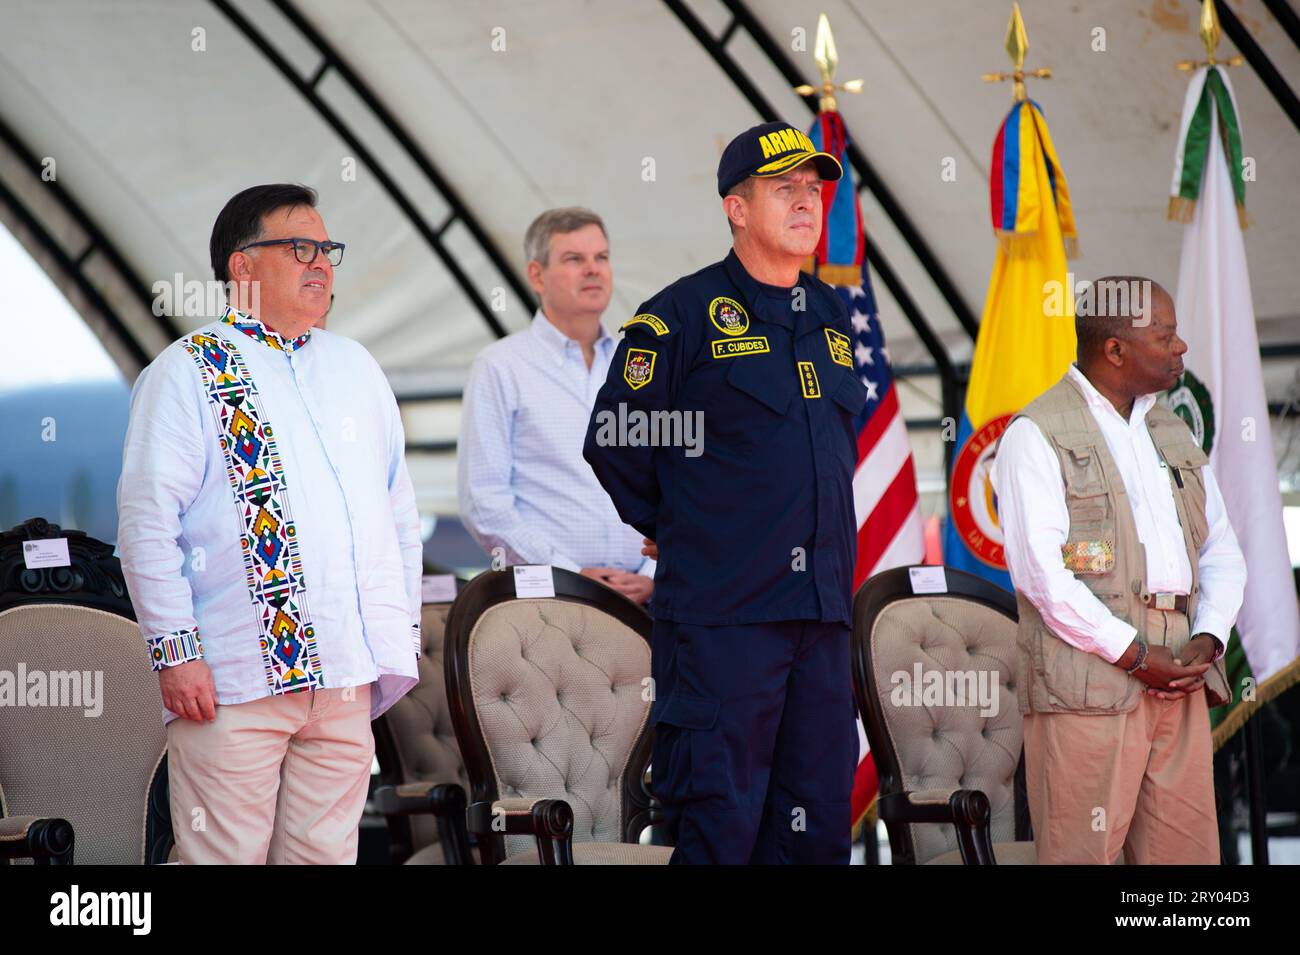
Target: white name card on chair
x,y
534,580
928,580
437,588
52,552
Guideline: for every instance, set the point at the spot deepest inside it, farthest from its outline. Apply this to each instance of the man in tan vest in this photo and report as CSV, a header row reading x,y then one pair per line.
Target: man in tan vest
x,y
1128,580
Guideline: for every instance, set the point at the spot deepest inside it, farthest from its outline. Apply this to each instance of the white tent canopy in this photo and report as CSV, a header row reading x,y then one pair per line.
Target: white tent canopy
x,y
155,112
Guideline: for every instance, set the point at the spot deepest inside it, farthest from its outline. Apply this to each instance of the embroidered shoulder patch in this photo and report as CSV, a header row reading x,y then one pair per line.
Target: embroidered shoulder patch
x,y
639,367
841,348
657,324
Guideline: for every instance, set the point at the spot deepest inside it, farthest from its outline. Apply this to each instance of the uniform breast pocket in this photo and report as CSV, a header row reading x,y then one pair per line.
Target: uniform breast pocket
x,y
757,396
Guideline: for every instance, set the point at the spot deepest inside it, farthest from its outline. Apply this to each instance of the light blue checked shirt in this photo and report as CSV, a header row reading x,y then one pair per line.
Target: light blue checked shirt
x,y
523,483
328,427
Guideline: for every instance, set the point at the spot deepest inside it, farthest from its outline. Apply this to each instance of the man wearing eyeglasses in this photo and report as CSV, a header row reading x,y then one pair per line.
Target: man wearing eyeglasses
x,y
271,544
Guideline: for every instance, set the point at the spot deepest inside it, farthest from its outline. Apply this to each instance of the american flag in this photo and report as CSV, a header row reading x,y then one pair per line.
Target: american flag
x,y
884,485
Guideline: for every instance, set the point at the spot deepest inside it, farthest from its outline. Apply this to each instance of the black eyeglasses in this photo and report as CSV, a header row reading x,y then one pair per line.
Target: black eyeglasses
x,y
305,249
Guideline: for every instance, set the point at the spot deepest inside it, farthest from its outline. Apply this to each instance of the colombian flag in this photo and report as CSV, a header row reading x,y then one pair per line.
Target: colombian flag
x,y
1026,336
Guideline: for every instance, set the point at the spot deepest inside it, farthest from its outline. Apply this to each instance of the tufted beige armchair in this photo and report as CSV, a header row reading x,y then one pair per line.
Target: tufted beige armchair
x,y
421,771
549,698
92,753
934,677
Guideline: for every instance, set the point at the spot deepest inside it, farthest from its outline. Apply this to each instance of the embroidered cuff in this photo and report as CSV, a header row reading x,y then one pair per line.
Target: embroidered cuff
x,y
415,636
175,648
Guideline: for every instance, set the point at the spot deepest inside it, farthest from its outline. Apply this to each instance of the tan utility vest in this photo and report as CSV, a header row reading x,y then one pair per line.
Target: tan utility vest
x,y
1103,551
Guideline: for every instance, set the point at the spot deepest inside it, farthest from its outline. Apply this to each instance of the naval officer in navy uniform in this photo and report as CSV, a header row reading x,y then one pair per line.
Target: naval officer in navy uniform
x,y
755,739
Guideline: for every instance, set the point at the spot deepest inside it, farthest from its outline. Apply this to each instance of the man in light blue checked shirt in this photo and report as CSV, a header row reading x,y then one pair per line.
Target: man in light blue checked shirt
x,y
526,494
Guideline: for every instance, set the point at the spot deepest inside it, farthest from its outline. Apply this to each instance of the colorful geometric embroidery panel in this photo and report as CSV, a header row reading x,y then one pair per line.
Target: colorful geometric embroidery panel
x,y
269,542
256,330
175,648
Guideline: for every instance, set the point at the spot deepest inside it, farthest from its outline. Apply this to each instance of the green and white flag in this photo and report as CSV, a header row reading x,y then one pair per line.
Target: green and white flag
x,y
1221,395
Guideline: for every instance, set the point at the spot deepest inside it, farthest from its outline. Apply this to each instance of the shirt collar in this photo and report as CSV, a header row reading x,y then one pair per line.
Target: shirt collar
x,y
771,303
1141,404
256,329
557,343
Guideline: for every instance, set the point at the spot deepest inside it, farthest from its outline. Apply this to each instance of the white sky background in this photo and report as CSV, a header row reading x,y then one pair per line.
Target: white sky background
x,y
45,340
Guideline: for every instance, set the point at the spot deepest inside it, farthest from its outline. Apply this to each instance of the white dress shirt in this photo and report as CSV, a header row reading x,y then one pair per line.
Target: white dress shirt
x,y
324,528
523,483
1035,524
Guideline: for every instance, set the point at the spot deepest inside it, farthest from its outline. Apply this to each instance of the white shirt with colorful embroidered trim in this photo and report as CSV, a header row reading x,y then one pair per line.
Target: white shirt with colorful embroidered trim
x,y
271,529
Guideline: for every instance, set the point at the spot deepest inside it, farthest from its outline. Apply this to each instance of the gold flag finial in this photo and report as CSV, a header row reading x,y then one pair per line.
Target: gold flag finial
x,y
1017,39
827,59
1210,35
1210,32
824,49
1017,46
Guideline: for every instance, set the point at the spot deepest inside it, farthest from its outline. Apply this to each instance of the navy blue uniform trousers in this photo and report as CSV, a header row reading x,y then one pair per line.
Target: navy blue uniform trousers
x,y
755,741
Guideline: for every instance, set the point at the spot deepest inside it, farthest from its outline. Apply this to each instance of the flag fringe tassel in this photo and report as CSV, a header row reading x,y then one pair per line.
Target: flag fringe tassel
x,y
846,275
1183,210
1024,245
868,817
1273,687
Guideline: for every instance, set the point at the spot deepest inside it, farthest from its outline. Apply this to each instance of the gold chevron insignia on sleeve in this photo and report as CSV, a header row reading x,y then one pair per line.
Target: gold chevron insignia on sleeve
x,y
657,324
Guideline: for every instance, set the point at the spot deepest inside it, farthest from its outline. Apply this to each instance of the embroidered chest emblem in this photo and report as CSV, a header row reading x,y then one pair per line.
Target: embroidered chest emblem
x,y
728,316
268,540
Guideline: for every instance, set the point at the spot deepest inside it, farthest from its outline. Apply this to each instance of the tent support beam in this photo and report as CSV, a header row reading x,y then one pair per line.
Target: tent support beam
x,y
867,175
96,241
1258,59
460,211
72,269
952,385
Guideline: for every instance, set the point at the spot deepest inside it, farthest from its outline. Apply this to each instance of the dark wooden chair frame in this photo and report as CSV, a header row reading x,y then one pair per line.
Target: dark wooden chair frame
x,y
550,821
968,810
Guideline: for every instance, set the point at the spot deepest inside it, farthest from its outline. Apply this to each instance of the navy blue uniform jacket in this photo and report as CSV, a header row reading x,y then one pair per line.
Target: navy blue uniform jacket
x,y
760,525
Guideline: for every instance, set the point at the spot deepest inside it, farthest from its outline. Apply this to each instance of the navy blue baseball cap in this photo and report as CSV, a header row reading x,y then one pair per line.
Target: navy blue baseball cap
x,y
770,150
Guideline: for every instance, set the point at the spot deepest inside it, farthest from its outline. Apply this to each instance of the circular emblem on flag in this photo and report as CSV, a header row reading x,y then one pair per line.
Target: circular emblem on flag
x,y
728,316
970,497
1190,400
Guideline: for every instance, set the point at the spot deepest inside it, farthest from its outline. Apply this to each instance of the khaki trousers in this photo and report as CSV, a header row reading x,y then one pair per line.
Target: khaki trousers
x,y
281,780
1137,784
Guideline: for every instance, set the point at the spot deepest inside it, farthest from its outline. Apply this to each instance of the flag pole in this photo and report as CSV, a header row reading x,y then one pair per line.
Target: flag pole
x,y
1182,208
